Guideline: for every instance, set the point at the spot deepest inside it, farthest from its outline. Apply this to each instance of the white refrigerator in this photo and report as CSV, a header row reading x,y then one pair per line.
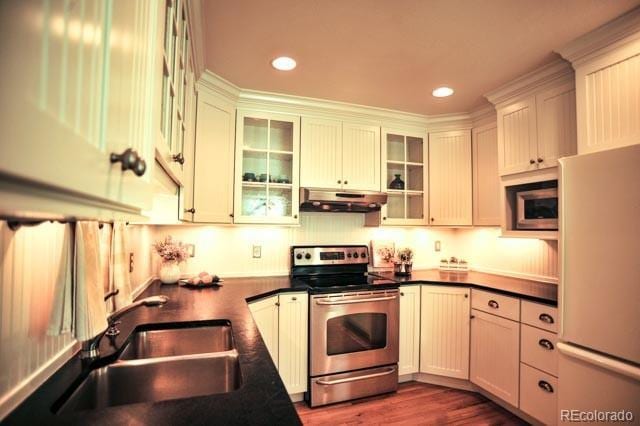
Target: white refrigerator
x,y
599,294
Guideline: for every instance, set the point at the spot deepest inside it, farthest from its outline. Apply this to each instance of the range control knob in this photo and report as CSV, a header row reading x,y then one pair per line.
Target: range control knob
x,y
299,256
363,255
307,256
349,254
355,255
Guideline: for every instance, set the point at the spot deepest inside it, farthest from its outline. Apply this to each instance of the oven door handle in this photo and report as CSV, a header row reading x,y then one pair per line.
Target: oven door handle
x,y
353,379
344,302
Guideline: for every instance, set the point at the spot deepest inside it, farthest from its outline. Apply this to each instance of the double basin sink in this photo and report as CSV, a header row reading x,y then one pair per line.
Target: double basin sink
x,y
161,364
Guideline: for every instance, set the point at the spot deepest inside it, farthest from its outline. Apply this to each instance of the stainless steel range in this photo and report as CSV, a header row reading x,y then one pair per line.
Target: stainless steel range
x,y
353,323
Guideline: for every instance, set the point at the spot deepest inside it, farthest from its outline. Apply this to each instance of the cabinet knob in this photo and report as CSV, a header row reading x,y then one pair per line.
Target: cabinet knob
x,y
339,181
230,214
546,344
466,296
532,161
401,293
545,386
384,218
346,182
191,210
295,216
178,158
472,316
540,160
493,304
277,303
129,160
432,219
546,318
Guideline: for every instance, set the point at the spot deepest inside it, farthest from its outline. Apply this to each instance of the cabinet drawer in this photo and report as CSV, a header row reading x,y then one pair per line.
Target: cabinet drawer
x,y
539,315
496,304
538,349
538,394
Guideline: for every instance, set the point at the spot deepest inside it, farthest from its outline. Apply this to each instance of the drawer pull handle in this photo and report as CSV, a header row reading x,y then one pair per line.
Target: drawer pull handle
x,y
294,298
546,318
493,304
546,344
545,386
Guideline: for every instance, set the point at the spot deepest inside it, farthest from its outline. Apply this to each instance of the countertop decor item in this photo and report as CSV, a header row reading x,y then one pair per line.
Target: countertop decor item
x,y
397,183
404,262
383,253
172,253
203,279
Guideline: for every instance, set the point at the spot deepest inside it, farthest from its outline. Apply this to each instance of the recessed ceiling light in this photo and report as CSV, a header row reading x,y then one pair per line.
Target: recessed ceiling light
x,y
442,92
284,63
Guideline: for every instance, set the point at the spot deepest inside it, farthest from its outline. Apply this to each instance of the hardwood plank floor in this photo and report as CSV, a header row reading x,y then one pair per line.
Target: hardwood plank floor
x,y
414,404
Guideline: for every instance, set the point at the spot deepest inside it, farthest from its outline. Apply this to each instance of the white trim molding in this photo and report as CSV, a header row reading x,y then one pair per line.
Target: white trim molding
x,y
196,24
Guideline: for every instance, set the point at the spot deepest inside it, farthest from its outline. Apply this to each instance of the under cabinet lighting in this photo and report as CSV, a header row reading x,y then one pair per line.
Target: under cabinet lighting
x,y
442,92
284,63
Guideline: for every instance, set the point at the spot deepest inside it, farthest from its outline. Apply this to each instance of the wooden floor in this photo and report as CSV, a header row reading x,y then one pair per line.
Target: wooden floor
x,y
413,404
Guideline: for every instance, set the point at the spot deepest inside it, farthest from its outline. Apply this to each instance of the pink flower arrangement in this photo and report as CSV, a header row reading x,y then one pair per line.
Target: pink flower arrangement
x,y
171,251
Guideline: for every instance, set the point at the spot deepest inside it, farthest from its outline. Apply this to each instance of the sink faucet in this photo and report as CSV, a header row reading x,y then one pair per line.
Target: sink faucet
x,y
90,347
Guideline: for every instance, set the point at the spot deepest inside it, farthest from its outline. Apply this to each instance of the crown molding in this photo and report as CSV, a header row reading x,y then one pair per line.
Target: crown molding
x,y
195,12
531,81
603,39
483,115
218,85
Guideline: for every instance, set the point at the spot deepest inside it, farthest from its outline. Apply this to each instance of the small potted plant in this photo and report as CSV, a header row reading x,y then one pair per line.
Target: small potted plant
x,y
172,254
404,262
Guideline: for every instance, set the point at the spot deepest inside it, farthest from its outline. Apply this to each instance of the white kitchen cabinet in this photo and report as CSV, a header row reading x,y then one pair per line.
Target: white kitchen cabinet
x,y
486,179
450,181
265,315
409,339
517,137
339,155
495,355
444,331
404,157
267,169
292,340
75,95
214,156
539,395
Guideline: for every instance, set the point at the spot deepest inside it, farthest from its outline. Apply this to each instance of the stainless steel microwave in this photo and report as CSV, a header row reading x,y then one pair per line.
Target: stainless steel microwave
x,y
537,209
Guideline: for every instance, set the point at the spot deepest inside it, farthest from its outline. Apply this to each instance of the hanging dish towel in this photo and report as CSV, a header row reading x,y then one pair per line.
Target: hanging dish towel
x,y
61,320
90,314
120,278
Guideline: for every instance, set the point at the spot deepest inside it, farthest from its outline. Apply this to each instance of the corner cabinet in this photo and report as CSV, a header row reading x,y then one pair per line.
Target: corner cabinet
x,y
486,180
265,315
450,181
267,168
404,171
340,155
409,339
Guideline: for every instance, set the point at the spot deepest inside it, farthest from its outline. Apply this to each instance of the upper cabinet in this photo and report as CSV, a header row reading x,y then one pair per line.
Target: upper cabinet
x,y
486,181
266,168
77,100
339,155
518,137
404,170
450,182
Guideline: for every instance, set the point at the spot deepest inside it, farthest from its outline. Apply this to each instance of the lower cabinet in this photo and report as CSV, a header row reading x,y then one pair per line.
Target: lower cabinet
x,y
409,341
283,323
444,339
495,355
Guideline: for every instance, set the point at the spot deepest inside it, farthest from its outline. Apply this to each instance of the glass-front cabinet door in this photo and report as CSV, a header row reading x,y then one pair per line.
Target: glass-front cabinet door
x,y
404,172
267,168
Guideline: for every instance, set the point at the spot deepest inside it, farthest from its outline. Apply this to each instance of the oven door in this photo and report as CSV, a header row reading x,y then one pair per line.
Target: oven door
x,y
353,330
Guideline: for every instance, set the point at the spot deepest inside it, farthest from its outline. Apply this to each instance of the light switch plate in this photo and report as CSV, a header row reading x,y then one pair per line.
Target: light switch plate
x,y
257,252
191,249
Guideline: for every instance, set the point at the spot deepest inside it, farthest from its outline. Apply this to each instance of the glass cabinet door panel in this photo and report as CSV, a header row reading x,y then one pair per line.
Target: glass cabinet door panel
x,y
415,204
256,133
254,166
395,206
281,133
254,200
395,172
414,180
280,167
395,147
415,150
279,204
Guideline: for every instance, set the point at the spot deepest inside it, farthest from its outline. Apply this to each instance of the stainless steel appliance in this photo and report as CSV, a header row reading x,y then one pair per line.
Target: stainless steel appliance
x,y
537,209
353,324
320,200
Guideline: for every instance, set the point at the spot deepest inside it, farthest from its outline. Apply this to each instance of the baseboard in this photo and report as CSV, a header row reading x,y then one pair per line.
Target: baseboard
x,y
449,382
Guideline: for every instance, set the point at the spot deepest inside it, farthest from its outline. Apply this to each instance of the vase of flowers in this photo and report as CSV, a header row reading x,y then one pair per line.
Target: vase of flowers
x,y
172,254
403,264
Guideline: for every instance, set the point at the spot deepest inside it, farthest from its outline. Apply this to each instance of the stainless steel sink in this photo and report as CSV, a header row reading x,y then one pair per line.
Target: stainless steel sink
x,y
129,382
178,341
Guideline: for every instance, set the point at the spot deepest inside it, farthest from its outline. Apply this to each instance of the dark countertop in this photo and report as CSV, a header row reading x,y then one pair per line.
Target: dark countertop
x,y
262,398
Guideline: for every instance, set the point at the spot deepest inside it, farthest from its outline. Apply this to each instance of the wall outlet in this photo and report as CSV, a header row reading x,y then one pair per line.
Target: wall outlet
x,y
191,249
257,252
437,246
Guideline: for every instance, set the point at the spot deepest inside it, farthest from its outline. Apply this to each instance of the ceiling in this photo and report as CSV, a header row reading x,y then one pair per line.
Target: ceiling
x,y
392,53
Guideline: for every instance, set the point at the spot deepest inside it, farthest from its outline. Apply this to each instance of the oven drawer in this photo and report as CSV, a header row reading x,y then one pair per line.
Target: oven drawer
x,y
352,385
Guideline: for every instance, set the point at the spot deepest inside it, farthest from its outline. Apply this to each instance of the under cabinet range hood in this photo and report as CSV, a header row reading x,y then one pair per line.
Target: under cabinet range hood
x,y
326,200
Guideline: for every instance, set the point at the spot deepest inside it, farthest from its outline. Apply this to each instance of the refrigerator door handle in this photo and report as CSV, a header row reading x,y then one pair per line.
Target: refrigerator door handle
x,y
611,364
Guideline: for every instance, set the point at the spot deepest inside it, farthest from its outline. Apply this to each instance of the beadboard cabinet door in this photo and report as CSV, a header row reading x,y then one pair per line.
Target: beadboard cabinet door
x,y
214,150
321,153
486,179
450,182
495,355
517,137
409,342
360,157
265,315
293,341
556,120
444,331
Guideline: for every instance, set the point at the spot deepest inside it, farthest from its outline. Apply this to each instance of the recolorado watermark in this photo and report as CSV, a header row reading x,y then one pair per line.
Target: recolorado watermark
x,y
621,416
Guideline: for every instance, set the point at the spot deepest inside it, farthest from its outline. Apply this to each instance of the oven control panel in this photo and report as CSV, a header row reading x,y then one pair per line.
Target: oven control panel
x,y
329,255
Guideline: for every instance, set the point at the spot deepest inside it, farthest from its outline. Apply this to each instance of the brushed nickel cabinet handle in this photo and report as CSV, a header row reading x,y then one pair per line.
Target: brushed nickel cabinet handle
x,y
545,386
546,344
546,318
493,304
